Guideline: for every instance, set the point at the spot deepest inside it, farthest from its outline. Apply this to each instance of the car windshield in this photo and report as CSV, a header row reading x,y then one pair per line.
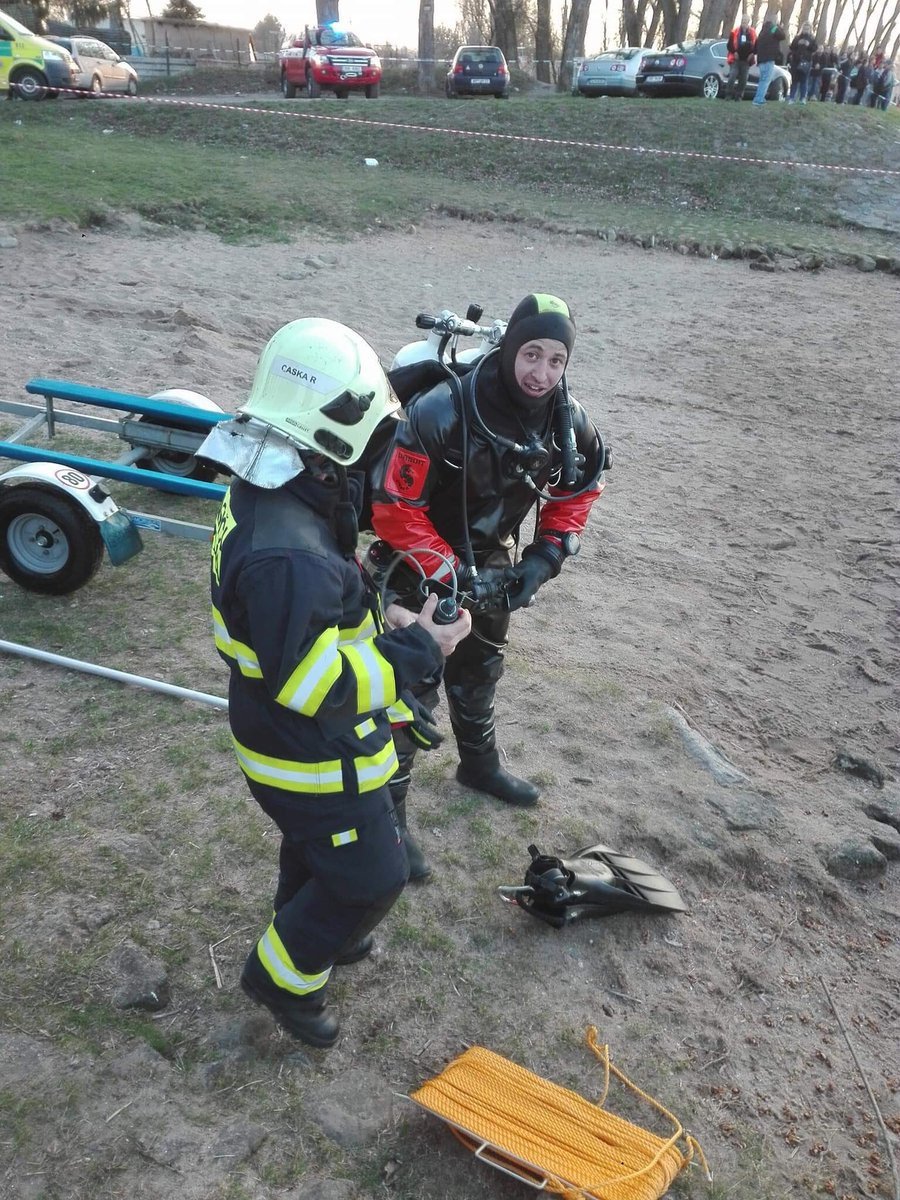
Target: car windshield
x,y
66,43
332,36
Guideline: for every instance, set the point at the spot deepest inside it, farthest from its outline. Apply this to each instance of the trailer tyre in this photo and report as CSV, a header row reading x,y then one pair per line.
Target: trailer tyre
x,y
48,543
171,462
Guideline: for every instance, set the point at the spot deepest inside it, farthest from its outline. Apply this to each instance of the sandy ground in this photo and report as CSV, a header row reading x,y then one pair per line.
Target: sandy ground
x,y
742,569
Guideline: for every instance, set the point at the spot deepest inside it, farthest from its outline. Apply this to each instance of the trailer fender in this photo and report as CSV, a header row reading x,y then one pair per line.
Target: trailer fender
x,y
120,537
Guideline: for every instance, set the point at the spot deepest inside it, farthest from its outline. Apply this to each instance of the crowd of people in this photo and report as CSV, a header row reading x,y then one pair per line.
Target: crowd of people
x,y
818,72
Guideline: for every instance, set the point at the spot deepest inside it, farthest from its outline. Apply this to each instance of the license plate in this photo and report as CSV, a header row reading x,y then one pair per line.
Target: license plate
x,y
481,81
351,72
653,79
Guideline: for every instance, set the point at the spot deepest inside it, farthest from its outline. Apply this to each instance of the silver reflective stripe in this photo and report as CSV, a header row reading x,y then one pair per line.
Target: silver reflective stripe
x,y
375,667
284,975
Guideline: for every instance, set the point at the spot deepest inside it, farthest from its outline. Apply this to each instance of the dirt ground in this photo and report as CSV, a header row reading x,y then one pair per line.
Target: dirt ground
x,y
740,573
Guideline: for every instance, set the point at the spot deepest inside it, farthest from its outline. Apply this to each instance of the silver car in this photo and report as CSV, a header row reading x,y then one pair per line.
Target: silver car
x,y
100,68
612,73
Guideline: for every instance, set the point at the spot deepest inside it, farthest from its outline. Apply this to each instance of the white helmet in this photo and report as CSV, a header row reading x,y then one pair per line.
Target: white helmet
x,y
322,386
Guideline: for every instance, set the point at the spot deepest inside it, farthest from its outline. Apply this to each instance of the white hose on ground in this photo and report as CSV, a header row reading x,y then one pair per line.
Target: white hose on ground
x,y
74,664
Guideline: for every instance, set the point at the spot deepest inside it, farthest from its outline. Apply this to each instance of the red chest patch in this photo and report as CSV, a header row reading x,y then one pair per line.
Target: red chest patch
x,y
406,474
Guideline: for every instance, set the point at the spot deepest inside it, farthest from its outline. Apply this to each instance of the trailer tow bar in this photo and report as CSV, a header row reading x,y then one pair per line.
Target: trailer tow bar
x,y
153,685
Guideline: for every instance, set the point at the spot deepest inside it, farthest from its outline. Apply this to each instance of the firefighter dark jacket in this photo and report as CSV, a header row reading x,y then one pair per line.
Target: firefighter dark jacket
x,y
312,669
436,458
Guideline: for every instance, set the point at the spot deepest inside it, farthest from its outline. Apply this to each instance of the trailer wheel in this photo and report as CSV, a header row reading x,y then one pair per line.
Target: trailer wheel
x,y
171,462
48,543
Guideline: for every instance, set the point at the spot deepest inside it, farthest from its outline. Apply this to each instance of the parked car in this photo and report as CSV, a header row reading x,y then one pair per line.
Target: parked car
x,y
100,69
700,69
478,71
612,73
31,67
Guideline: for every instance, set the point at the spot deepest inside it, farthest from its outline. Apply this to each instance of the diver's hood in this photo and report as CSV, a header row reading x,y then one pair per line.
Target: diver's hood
x,y
254,451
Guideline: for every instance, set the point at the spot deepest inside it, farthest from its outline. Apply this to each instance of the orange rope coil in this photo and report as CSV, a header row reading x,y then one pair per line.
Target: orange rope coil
x,y
552,1138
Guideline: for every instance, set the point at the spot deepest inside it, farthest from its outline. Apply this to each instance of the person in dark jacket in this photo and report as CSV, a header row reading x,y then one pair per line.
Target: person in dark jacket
x,y
453,488
769,53
846,63
741,43
883,85
859,79
317,672
800,60
829,73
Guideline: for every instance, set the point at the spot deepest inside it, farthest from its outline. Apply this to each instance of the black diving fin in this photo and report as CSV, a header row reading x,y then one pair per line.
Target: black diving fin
x,y
595,881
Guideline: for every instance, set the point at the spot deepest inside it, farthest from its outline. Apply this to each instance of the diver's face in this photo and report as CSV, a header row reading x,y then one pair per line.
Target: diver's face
x,y
539,366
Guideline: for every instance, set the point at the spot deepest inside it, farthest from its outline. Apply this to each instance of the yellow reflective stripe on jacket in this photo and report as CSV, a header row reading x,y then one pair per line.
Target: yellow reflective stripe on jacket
x,y
314,675
399,713
375,684
364,728
288,774
366,629
372,771
278,963
345,838
243,655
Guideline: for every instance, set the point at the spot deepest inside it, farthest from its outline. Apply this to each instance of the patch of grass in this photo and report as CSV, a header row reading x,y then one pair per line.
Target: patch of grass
x,y
230,172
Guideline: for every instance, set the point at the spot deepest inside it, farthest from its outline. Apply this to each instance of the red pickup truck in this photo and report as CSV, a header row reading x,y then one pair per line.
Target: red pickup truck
x,y
328,57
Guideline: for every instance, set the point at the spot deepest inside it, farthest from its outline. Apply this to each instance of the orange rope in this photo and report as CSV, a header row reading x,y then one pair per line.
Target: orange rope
x,y
542,1132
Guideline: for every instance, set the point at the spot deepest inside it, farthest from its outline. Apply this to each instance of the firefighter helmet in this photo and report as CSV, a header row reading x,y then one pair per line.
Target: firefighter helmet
x,y
322,386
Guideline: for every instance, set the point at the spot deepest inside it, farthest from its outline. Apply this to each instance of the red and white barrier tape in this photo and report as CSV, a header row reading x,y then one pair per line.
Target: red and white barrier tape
x,y
502,137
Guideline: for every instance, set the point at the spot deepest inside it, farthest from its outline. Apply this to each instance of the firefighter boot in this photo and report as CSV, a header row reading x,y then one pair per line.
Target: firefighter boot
x,y
419,866
357,950
483,773
307,1018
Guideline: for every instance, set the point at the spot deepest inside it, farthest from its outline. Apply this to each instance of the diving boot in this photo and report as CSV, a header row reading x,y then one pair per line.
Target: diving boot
x,y
483,773
419,867
357,950
307,1018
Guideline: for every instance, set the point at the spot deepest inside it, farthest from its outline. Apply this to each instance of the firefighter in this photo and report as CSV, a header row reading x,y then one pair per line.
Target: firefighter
x,y
314,668
452,488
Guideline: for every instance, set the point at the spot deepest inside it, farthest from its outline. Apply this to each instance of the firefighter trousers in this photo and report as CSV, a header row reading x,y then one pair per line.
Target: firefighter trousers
x,y
342,865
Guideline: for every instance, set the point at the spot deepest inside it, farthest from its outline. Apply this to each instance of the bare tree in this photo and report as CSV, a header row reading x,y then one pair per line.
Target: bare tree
x,y
676,15
503,27
543,42
426,45
573,42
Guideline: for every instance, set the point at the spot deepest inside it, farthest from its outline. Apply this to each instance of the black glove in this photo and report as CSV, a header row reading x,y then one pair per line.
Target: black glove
x,y
541,561
416,721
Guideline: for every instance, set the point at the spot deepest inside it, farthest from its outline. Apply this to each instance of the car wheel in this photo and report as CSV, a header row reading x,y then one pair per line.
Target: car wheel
x,y
451,95
30,85
96,86
711,87
313,88
288,89
778,90
132,87
373,91
48,543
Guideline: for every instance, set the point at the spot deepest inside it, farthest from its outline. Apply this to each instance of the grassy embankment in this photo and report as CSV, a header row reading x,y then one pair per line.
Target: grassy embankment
x,y
263,174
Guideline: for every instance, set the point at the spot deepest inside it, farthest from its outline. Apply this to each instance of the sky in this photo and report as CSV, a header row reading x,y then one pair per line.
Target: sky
x,y
394,21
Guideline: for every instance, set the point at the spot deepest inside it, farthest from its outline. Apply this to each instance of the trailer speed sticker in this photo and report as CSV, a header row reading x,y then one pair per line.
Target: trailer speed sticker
x,y
72,479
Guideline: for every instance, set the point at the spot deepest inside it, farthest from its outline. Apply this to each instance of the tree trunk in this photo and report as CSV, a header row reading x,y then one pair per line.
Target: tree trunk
x,y
543,42
327,10
503,22
573,42
426,46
